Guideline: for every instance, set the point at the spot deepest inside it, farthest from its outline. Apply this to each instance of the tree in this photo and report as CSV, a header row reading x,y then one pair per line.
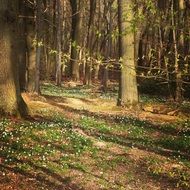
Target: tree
x,y
38,44
178,47
75,37
89,43
11,101
59,41
128,94
22,46
31,49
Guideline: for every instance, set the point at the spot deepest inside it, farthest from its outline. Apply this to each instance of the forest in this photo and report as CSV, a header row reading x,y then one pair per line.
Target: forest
x,y
94,94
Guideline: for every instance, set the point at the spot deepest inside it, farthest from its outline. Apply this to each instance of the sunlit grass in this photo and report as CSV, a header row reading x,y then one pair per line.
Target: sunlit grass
x,y
89,148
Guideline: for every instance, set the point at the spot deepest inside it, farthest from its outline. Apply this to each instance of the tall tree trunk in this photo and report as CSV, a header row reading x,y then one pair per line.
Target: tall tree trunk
x,y
180,51
109,46
178,76
39,4
59,42
31,49
75,37
128,88
11,101
88,66
22,46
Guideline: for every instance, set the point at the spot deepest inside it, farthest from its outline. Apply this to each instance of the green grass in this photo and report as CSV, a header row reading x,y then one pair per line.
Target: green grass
x,y
140,134
151,99
56,146
54,151
87,92
53,90
29,146
45,148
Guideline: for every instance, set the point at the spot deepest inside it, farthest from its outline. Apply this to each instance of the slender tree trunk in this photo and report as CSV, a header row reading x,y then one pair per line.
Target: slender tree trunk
x,y
181,56
59,42
31,49
88,66
178,77
39,4
109,46
22,46
75,37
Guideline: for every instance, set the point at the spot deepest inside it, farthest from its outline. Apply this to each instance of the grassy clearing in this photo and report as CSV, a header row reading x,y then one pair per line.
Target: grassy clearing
x,y
77,92
55,151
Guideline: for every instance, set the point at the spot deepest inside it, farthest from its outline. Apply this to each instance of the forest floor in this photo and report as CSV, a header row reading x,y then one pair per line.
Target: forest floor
x,y
78,139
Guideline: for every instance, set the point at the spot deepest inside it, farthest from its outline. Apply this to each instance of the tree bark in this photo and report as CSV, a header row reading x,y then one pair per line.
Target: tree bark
x,y
75,37
128,88
59,42
31,49
11,101
22,46
38,44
